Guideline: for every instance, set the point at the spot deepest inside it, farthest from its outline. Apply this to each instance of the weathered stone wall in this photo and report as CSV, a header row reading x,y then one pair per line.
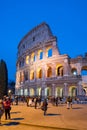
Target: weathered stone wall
x,y
61,78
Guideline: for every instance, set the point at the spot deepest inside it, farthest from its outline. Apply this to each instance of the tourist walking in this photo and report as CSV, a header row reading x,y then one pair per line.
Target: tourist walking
x,y
44,106
56,101
69,102
7,107
36,101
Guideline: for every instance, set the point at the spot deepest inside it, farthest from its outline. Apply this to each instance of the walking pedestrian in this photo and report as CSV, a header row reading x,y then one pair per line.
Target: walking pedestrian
x,y
7,107
69,102
44,106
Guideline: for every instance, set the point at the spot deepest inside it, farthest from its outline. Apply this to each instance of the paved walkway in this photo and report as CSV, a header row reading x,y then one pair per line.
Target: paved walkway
x,y
56,118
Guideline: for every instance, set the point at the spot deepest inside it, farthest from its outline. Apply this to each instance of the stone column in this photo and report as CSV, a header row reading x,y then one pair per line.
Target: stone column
x,y
43,90
65,90
79,89
35,72
53,90
37,57
55,49
66,68
35,91
78,69
53,70
44,71
28,91
44,53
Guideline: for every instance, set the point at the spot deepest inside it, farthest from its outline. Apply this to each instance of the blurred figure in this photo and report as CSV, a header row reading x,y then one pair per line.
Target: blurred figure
x,y
56,100
36,101
7,107
69,102
16,100
1,109
44,106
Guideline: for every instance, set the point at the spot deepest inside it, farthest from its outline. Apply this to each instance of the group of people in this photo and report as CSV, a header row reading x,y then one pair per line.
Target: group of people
x,y
36,101
5,107
5,104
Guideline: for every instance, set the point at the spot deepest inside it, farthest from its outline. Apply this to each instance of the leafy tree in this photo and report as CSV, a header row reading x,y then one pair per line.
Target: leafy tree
x,y
3,78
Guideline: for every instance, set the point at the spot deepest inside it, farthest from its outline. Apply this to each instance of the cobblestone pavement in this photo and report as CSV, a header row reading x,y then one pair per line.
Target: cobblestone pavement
x,y
59,118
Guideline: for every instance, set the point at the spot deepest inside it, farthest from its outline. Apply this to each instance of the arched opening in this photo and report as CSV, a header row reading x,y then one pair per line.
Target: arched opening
x,y
47,91
49,52
84,92
40,54
74,71
22,76
59,70
21,92
84,71
72,91
49,72
39,91
39,73
33,57
27,60
26,92
59,92
32,75
32,93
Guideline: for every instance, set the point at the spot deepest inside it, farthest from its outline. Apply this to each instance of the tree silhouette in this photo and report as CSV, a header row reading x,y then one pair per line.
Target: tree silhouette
x,y
3,78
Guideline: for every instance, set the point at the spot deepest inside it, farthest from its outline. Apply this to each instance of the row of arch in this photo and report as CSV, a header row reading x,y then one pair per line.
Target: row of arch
x,y
33,57
48,92
25,75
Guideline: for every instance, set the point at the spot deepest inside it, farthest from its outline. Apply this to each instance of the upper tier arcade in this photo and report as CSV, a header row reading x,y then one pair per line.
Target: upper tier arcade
x,y
39,35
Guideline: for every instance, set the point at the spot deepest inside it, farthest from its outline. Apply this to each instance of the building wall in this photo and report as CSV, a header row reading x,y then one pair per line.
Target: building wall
x,y
42,70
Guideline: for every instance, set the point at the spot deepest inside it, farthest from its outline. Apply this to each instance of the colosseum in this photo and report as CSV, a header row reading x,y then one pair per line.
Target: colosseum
x,y
43,71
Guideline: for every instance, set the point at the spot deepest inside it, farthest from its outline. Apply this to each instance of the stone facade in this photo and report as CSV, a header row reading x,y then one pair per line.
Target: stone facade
x,y
43,71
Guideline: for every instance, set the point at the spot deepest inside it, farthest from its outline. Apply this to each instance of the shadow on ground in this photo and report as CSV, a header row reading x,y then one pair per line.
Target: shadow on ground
x,y
11,123
17,119
77,108
52,114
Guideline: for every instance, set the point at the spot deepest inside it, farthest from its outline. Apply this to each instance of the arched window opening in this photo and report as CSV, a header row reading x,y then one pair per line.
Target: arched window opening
x,y
40,73
84,71
74,71
31,75
33,57
59,92
72,91
49,72
26,75
27,60
39,91
60,71
40,54
21,76
47,91
32,92
49,52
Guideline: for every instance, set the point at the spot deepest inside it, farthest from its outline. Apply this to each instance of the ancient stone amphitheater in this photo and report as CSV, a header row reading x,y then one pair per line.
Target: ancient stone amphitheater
x,y
43,71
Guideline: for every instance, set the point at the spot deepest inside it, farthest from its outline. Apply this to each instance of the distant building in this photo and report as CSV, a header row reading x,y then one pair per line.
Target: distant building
x,y
43,71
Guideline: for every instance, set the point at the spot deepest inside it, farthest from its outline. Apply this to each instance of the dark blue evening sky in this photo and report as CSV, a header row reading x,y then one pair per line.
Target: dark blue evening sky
x,y
67,19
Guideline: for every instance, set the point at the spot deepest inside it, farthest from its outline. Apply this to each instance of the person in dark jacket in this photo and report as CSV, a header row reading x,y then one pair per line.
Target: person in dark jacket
x,y
45,104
